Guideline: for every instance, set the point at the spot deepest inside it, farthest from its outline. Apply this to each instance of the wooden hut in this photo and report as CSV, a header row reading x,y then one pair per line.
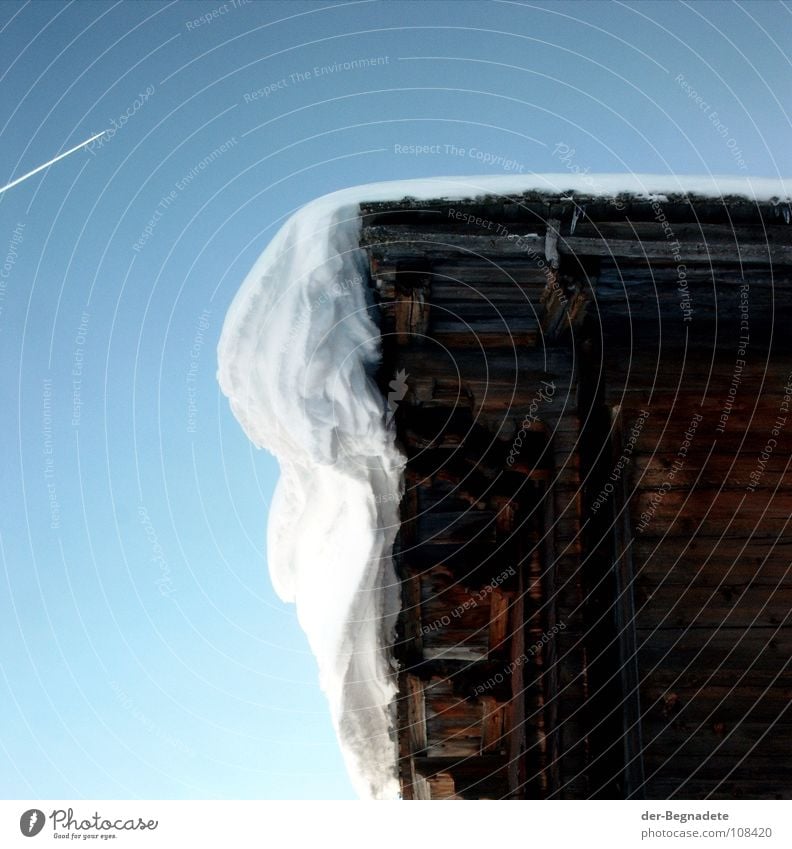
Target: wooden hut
x,y
594,398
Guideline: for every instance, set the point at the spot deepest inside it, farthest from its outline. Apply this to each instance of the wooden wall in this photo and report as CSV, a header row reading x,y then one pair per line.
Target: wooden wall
x,y
548,647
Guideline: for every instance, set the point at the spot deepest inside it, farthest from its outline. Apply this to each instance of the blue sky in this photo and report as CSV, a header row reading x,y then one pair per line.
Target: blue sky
x,y
143,652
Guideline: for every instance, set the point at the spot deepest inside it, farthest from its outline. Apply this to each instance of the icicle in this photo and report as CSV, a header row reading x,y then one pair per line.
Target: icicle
x,y
579,210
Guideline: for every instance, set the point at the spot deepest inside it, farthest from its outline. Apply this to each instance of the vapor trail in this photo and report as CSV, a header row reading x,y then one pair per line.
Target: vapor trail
x,y
51,162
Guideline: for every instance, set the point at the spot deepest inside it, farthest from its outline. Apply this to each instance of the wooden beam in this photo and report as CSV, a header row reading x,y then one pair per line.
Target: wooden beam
x,y
407,242
622,539
550,651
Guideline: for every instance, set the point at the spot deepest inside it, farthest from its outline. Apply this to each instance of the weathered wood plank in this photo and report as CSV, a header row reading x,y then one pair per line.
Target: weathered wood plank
x,y
500,618
416,715
704,562
726,471
494,726
738,785
707,647
688,231
531,209
406,241
736,681
411,316
675,606
708,513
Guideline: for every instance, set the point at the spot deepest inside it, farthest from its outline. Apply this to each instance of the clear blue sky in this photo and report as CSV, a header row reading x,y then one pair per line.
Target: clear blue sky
x,y
143,651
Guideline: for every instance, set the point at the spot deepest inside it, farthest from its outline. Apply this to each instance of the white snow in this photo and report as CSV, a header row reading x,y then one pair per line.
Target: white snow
x,y
296,359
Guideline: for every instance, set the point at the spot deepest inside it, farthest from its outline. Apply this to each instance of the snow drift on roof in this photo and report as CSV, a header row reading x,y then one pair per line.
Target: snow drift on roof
x,y
296,359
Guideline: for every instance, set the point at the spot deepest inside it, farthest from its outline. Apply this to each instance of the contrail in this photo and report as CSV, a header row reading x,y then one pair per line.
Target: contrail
x,y
51,162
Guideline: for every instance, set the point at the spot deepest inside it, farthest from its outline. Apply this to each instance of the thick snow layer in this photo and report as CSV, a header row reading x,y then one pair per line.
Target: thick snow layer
x,y
296,358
